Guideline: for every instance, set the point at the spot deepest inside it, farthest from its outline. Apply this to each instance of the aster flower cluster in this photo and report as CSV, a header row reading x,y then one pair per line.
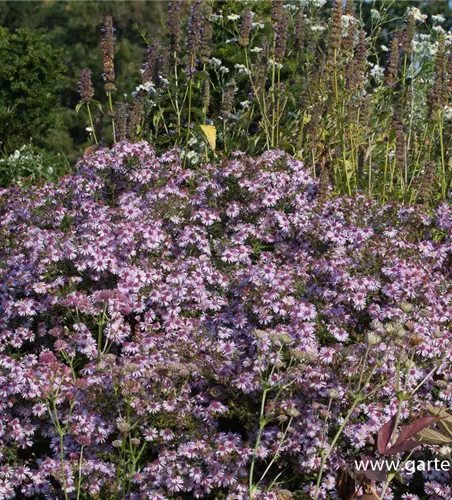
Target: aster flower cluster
x,y
167,331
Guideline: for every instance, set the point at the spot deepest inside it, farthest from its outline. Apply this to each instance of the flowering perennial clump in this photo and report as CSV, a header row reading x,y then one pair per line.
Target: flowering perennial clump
x,y
217,331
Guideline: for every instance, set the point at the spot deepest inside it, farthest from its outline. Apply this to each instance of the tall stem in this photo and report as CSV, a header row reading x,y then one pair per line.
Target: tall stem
x,y
91,124
110,103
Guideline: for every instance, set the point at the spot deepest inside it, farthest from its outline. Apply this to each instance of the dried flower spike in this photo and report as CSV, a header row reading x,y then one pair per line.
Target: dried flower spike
x,y
245,28
194,37
85,86
108,48
391,70
174,29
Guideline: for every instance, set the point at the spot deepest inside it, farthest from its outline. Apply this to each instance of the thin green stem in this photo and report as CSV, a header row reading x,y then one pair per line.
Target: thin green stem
x,y
110,103
91,123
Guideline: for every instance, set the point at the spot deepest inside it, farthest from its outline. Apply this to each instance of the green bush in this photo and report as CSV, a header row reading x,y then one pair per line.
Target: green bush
x,y
30,165
73,28
31,74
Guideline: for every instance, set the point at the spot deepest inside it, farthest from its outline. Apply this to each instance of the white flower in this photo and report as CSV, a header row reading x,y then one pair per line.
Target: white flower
x,y
258,25
231,40
193,156
384,48
215,62
438,29
245,104
317,27
147,87
272,62
89,129
377,72
416,13
375,14
256,49
438,18
348,19
448,112
243,70
216,17
445,450
223,69
233,17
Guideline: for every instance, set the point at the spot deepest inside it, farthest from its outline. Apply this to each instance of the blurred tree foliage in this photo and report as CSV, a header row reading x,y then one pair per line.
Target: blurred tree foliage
x,y
74,28
31,74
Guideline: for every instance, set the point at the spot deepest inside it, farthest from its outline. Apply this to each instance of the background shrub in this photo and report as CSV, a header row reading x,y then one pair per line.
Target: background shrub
x,y
30,81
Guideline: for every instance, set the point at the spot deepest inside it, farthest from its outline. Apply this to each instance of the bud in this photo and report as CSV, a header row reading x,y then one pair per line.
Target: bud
x,y
376,324
286,339
293,412
372,338
409,363
406,307
333,393
124,427
390,328
260,334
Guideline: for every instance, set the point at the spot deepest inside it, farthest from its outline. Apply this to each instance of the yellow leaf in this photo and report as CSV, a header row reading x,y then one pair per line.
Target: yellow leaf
x,y
211,134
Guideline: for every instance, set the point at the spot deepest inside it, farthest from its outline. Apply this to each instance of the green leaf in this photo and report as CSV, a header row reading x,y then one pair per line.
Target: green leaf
x,y
203,75
98,104
79,107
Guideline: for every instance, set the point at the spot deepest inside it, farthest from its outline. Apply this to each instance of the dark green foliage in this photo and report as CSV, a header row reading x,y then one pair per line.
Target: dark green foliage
x,y
74,28
31,74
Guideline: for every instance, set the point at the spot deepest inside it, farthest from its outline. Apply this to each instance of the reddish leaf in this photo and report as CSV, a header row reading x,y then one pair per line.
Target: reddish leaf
x,y
412,429
371,468
385,433
401,447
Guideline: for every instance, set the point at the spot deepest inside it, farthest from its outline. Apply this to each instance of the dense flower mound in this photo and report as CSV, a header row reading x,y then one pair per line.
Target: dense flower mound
x,y
166,330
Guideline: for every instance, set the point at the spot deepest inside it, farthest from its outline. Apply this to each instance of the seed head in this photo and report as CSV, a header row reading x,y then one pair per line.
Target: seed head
x,y
336,26
174,29
108,48
194,37
85,86
150,66
205,48
300,31
391,69
245,28
228,99
121,121
408,35
281,26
